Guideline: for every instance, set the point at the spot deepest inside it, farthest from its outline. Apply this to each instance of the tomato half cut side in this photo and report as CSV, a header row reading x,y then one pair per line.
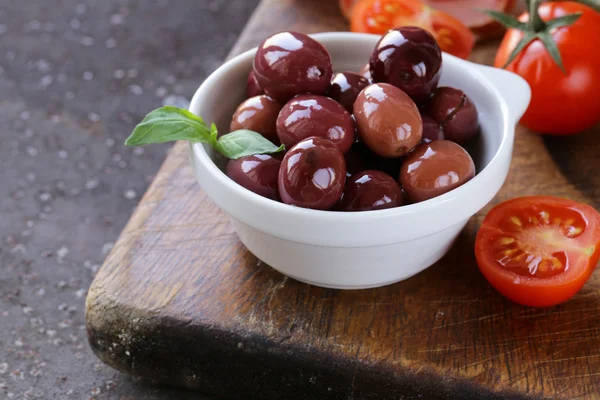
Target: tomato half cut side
x,y
346,7
379,16
469,13
453,36
538,251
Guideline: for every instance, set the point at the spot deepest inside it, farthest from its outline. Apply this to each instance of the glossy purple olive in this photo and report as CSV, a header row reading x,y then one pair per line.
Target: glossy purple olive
x,y
370,190
252,87
431,129
366,72
435,168
410,59
388,121
291,63
311,115
312,174
455,112
345,87
258,173
258,114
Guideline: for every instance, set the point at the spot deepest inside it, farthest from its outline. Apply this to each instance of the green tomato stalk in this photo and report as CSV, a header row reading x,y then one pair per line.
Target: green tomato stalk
x,y
536,28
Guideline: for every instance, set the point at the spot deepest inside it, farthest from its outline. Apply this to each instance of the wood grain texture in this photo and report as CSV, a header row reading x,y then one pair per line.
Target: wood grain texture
x,y
180,299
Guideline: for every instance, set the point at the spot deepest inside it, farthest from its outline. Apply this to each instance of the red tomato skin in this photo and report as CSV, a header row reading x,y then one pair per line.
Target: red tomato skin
x,y
534,292
560,104
529,295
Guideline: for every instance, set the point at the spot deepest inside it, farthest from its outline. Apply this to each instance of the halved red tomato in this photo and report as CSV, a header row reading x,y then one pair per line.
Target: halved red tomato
x,y
379,16
469,13
346,7
539,251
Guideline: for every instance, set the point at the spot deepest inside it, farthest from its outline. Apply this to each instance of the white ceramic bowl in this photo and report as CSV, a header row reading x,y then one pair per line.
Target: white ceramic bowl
x,y
361,249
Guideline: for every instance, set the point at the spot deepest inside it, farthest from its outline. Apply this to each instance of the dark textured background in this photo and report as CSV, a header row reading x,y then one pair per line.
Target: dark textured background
x,y
75,77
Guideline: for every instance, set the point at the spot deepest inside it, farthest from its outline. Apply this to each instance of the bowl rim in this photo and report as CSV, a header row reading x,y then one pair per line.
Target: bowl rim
x,y
490,171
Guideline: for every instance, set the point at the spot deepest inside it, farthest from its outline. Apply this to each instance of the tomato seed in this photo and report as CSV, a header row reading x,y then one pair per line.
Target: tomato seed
x,y
556,264
556,221
573,231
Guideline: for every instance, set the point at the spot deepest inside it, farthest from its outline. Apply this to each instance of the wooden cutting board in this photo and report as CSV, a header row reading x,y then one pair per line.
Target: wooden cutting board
x,y
182,301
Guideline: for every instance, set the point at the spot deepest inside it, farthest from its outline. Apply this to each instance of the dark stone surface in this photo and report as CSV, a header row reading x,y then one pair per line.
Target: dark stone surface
x,y
75,77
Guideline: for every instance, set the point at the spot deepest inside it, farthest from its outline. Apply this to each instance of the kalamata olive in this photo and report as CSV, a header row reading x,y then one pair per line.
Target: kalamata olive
x,y
366,72
456,113
388,121
258,114
408,58
257,173
370,190
291,63
431,129
435,168
310,115
312,174
345,87
252,86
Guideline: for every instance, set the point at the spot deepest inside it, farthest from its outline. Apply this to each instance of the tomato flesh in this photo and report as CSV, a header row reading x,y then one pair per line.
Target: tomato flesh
x,y
379,16
539,251
346,7
468,12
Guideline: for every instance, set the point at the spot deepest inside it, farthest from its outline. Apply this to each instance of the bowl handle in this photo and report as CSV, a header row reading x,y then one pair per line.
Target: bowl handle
x,y
514,90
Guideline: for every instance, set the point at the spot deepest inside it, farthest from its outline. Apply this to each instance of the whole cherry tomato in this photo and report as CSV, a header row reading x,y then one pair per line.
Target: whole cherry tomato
x,y
539,251
379,16
563,102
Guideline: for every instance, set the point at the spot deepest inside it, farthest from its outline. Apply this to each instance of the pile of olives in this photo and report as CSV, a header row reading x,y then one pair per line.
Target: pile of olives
x,y
380,138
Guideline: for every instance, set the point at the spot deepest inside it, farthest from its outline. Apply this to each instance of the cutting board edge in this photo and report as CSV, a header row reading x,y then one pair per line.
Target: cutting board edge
x,y
131,343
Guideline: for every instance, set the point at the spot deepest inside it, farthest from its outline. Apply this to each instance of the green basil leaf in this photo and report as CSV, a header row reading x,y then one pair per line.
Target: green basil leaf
x,y
214,134
245,143
167,124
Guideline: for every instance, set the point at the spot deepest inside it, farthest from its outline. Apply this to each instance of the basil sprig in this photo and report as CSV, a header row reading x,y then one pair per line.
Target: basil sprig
x,y
167,124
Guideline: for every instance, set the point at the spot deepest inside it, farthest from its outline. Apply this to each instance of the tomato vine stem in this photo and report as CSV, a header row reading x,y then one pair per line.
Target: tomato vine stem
x,y
534,16
537,29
